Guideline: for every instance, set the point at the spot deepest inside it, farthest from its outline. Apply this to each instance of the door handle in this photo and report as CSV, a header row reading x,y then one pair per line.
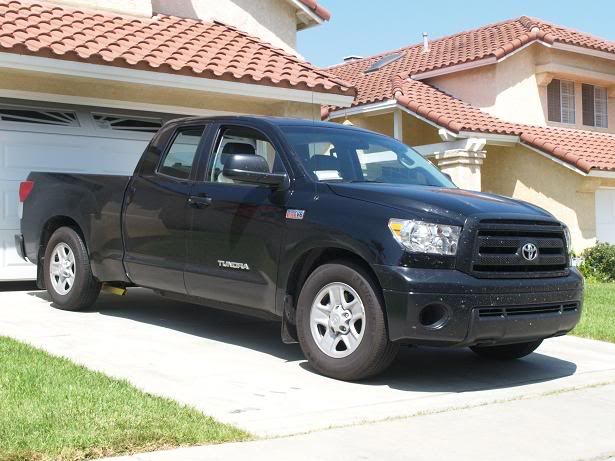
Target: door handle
x,y
199,201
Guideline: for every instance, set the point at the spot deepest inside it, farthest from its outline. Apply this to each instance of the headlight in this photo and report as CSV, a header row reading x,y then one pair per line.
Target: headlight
x,y
568,240
424,237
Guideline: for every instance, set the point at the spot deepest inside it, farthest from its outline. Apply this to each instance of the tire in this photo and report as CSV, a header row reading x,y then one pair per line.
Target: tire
x,y
507,351
365,357
84,289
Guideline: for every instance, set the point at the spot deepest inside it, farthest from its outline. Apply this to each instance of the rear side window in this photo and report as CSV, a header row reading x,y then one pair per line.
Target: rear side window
x,y
179,157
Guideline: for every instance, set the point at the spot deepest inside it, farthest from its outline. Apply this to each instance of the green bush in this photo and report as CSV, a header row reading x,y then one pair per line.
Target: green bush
x,y
599,263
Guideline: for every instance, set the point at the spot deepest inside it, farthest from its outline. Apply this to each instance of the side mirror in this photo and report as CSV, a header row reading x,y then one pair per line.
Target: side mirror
x,y
251,169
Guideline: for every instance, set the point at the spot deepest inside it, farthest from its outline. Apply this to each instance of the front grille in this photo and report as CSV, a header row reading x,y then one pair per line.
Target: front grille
x,y
537,309
498,249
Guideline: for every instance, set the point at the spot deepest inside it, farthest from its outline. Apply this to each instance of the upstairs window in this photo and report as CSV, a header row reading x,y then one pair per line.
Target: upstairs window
x,y
560,101
595,106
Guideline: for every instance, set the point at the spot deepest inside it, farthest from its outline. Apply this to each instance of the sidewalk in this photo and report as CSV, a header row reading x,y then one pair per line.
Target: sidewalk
x,y
573,425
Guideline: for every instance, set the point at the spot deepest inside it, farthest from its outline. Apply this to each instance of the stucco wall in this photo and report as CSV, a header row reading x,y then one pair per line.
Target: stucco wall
x,y
271,20
507,90
513,91
526,175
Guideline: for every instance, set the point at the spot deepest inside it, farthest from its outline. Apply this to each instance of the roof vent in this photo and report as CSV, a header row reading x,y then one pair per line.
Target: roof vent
x,y
383,62
352,58
425,42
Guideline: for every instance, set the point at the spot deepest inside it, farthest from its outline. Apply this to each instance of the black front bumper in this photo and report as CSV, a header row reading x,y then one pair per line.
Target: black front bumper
x,y
478,311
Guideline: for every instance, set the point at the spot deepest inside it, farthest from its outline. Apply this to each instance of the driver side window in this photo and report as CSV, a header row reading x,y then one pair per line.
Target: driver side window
x,y
244,141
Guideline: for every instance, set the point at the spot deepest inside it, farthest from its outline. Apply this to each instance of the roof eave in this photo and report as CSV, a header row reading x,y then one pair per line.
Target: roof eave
x,y
164,79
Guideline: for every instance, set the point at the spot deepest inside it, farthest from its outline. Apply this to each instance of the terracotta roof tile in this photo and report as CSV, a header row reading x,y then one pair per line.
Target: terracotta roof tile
x,y
318,10
494,40
583,149
163,44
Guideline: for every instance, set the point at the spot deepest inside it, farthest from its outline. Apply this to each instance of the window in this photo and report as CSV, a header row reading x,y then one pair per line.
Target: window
x,y
595,110
38,116
383,62
246,141
560,101
121,123
346,155
179,158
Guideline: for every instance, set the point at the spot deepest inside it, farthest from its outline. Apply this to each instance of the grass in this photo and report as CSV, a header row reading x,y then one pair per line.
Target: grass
x,y
52,409
598,318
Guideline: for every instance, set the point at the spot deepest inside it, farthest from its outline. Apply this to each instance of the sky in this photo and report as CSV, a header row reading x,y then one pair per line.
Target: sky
x,y
367,27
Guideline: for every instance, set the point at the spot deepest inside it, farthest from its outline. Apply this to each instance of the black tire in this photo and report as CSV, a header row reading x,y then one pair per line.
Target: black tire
x,y
86,288
507,351
374,353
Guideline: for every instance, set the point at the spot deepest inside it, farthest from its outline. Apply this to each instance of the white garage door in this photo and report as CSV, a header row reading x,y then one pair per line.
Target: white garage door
x,y
61,139
605,215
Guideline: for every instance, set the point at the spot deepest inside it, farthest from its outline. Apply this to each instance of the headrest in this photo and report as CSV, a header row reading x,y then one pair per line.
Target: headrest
x,y
238,148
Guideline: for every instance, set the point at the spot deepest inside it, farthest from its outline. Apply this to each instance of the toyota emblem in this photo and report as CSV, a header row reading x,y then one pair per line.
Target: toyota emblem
x,y
529,252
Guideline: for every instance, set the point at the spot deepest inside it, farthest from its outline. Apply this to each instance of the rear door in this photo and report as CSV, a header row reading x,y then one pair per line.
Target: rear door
x,y
156,220
237,229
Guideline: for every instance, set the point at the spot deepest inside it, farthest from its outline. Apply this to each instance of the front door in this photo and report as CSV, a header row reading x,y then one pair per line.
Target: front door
x,y
156,225
237,229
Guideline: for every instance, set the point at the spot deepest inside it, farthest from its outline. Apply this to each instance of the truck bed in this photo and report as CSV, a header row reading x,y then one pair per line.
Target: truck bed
x,y
94,202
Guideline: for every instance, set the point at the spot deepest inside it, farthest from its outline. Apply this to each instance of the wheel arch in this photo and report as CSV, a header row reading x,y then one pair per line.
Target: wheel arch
x,y
306,263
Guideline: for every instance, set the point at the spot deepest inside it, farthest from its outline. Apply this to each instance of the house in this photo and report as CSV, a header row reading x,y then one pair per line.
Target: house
x,y
84,83
522,108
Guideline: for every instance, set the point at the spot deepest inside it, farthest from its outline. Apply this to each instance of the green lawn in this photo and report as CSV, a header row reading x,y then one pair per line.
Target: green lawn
x,y
598,318
52,409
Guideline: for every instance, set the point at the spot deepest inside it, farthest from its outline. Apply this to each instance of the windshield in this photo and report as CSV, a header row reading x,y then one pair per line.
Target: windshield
x,y
344,155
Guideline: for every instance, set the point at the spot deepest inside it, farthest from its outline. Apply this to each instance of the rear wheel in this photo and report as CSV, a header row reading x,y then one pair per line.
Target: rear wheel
x,y
68,276
341,323
507,351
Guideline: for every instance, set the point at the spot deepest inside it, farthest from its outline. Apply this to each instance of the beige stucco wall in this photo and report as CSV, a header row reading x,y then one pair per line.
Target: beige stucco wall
x,y
149,94
526,175
512,90
271,20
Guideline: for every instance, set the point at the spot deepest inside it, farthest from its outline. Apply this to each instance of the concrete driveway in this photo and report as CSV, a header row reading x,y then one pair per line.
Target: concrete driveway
x,y
236,369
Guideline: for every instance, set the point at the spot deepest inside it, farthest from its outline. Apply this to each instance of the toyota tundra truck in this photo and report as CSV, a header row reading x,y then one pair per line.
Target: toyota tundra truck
x,y
353,240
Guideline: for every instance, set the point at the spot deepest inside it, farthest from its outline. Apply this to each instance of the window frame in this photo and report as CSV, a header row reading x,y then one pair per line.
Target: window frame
x,y
594,110
573,110
210,158
197,153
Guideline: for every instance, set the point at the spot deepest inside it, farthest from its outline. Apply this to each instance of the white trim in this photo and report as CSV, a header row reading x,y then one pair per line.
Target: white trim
x,y
455,68
583,50
493,139
143,77
577,73
373,109
109,103
602,174
465,144
308,12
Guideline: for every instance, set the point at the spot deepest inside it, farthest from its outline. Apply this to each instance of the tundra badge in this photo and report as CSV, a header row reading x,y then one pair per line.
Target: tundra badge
x,y
233,265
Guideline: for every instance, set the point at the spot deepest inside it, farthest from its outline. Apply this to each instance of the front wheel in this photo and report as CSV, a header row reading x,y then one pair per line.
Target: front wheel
x,y
68,276
341,323
507,351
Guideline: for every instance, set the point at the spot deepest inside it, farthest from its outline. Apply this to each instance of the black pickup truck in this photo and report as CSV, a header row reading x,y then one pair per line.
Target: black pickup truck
x,y
356,242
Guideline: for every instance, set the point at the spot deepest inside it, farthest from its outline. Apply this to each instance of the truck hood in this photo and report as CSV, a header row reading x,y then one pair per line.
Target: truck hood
x,y
456,204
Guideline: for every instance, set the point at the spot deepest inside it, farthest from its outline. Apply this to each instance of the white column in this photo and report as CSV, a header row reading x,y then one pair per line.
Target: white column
x,y
398,127
463,166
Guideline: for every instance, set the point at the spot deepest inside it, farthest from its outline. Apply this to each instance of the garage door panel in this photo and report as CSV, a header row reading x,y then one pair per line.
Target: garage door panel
x,y
605,215
12,267
24,151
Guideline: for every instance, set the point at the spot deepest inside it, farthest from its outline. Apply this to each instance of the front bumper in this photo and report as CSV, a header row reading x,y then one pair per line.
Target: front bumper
x,y
478,311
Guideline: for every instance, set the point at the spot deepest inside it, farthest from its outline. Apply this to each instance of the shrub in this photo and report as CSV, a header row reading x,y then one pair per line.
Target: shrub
x,y
599,263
